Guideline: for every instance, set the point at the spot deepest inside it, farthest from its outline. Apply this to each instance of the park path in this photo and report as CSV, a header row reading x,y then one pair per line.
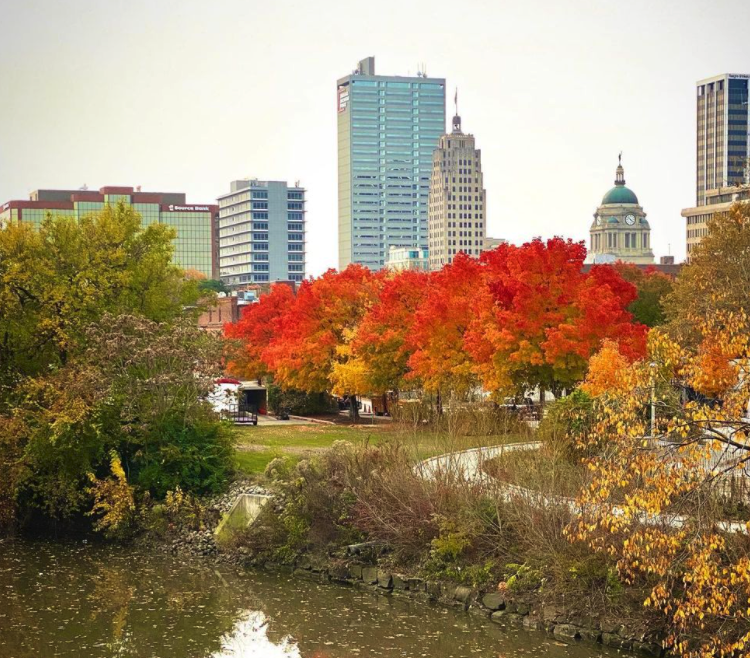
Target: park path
x,y
467,464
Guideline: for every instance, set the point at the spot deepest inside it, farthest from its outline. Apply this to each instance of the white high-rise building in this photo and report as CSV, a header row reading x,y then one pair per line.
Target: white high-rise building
x,y
261,232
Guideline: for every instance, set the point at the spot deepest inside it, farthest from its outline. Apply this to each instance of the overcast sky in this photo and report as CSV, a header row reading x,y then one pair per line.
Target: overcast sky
x,y
188,95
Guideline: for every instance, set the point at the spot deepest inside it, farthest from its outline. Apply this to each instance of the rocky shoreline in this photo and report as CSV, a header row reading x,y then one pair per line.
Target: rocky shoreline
x,y
497,607
519,611
363,566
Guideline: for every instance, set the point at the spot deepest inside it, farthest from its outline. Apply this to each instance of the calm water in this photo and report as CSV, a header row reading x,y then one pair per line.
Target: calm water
x,y
100,601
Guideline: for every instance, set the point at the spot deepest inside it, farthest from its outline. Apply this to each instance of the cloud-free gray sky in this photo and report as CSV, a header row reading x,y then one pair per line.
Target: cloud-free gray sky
x,y
187,95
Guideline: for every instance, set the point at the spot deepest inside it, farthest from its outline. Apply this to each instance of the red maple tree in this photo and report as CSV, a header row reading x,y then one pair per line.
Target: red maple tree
x,y
256,328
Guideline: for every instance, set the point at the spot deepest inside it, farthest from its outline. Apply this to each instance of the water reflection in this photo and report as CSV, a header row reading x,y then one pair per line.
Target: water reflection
x,y
250,638
101,601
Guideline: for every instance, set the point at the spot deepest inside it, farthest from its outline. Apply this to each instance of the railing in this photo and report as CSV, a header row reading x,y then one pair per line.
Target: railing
x,y
241,414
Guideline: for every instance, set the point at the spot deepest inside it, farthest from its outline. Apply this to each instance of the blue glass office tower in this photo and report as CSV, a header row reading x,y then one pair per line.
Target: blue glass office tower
x,y
388,127
723,120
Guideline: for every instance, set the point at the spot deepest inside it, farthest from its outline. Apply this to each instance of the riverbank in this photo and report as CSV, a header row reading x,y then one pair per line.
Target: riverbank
x,y
501,561
144,604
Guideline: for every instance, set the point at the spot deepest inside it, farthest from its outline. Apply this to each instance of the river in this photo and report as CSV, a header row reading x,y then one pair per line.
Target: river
x,y
96,600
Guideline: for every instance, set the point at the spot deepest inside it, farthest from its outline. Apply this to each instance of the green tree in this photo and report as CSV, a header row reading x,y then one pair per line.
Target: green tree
x,y
653,287
717,279
100,362
213,285
65,276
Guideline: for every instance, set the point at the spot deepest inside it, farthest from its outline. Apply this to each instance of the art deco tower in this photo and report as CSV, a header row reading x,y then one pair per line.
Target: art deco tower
x,y
458,200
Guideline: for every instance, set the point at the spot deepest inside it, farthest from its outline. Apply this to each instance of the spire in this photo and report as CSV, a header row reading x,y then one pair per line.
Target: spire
x,y
620,176
456,117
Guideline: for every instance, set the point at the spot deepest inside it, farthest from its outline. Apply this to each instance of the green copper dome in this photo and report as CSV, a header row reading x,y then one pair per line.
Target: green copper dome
x,y
620,194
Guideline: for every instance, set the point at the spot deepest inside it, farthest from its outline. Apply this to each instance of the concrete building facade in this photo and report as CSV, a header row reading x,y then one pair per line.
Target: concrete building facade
x,y
620,230
261,233
194,224
407,258
388,127
493,243
722,151
458,200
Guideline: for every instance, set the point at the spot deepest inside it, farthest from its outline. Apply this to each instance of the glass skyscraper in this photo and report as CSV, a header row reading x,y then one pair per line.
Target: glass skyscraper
x,y
388,128
722,151
261,233
722,148
194,246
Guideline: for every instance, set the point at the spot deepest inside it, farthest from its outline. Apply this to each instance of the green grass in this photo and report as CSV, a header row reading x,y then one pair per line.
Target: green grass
x,y
254,462
257,446
309,436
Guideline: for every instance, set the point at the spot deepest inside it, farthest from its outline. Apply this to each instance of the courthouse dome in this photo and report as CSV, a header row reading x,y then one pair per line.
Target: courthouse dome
x,y
619,193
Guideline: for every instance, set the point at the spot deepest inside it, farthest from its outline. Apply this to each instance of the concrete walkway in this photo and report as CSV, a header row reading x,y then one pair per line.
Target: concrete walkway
x,y
467,464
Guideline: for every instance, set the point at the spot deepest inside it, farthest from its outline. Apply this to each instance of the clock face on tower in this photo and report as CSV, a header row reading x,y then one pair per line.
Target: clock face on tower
x,y
630,219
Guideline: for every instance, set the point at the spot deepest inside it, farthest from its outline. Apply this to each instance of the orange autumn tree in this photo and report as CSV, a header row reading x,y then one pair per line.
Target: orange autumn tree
x,y
439,359
606,370
381,346
310,351
540,317
253,333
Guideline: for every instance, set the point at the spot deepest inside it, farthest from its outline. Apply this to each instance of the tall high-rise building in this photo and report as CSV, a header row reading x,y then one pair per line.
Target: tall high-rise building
x,y
458,200
388,127
261,232
194,225
723,148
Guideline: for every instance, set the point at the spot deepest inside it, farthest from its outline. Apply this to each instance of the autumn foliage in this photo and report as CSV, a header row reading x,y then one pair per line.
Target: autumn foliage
x,y
517,318
669,501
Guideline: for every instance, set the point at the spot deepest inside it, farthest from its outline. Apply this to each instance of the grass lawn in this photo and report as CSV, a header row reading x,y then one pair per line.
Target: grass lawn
x,y
257,446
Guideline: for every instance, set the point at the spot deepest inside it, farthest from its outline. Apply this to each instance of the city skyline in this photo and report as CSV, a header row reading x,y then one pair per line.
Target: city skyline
x,y
554,94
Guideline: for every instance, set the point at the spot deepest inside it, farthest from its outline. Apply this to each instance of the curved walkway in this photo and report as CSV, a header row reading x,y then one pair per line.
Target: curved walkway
x,y
467,464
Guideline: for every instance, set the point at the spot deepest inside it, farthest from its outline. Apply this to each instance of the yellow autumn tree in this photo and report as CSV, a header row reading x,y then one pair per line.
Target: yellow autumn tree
x,y
658,498
114,501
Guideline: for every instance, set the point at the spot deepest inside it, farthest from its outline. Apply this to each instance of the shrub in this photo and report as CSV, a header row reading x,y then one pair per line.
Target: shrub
x,y
567,420
299,403
521,578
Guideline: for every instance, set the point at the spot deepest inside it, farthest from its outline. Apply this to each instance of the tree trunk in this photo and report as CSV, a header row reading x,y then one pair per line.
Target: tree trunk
x,y
439,404
353,408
